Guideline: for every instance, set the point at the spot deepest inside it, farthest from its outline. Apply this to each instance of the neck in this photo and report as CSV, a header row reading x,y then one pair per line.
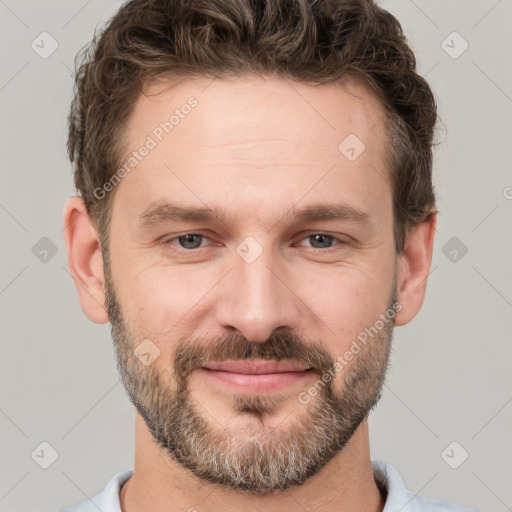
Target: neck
x,y
160,484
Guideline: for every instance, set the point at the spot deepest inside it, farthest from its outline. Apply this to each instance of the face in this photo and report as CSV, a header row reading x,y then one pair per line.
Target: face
x,y
235,326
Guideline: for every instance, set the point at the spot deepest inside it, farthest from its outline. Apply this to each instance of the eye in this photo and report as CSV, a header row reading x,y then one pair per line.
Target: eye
x,y
187,241
323,240
191,241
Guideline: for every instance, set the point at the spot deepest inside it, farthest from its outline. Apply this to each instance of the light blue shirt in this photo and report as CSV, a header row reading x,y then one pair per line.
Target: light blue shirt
x,y
399,499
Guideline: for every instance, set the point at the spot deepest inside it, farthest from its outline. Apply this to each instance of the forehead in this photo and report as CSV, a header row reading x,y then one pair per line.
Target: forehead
x,y
253,139
256,109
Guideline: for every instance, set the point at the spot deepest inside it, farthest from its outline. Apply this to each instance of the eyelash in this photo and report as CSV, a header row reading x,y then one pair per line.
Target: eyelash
x,y
341,242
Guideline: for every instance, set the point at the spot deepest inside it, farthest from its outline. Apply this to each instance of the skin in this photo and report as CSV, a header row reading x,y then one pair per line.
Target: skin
x,y
255,147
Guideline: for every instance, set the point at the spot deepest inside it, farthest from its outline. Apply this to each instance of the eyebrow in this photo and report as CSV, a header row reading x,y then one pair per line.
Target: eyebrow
x,y
160,213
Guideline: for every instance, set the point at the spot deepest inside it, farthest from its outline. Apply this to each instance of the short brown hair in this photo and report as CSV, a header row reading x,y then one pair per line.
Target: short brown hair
x,y
310,41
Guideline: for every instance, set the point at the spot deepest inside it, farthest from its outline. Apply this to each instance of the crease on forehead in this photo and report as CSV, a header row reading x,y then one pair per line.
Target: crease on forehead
x,y
355,88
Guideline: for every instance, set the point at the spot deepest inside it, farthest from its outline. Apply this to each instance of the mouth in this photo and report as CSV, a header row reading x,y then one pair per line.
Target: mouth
x,y
256,375
256,367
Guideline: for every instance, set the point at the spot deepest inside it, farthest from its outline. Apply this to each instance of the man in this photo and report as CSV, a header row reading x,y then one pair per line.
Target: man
x,y
256,213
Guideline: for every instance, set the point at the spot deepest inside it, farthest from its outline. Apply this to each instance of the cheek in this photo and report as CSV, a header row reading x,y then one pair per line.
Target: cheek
x,y
345,302
153,292
161,303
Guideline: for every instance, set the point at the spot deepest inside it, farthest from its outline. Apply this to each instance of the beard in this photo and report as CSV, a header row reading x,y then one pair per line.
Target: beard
x,y
254,458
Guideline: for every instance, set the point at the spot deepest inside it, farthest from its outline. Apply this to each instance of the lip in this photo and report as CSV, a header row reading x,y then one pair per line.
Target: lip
x,y
256,375
256,366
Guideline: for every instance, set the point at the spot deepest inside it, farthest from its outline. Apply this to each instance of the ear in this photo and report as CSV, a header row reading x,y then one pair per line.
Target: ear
x,y
413,266
85,260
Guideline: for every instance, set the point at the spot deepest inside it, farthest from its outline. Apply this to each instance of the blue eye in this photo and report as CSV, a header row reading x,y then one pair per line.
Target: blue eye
x,y
323,240
192,241
189,240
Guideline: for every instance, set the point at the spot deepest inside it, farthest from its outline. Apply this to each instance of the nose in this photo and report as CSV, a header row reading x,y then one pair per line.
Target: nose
x,y
255,299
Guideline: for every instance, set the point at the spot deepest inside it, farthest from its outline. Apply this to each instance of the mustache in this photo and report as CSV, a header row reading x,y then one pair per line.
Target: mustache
x,y
281,346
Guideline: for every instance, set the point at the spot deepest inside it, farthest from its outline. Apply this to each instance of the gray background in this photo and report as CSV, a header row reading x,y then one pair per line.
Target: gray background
x,y
451,372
